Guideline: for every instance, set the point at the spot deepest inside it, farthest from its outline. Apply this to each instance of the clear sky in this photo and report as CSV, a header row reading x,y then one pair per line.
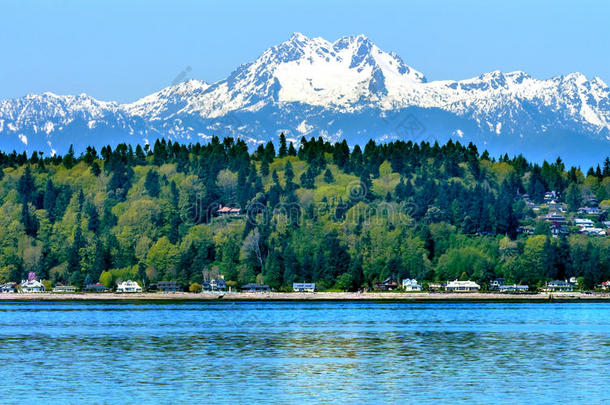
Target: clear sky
x,y
123,50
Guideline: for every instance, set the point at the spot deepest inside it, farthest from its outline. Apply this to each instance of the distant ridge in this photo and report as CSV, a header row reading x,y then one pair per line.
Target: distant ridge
x,y
347,89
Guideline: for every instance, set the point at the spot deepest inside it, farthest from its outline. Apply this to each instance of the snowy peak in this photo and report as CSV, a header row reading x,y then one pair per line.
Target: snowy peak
x,y
168,101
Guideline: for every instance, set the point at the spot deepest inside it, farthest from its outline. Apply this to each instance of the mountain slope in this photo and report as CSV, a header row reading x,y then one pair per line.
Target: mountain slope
x,y
344,89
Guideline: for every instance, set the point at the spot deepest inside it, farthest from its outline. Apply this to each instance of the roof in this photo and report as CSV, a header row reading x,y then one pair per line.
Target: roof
x,y
467,283
128,283
251,286
31,284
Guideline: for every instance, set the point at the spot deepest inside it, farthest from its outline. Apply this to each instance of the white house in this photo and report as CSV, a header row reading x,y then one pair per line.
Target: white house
x,y
513,288
304,287
128,287
31,286
411,285
462,286
64,289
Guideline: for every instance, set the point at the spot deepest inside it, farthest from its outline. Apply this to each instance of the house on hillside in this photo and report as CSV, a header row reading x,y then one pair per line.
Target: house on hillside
x,y
228,211
589,211
462,286
551,196
128,286
31,286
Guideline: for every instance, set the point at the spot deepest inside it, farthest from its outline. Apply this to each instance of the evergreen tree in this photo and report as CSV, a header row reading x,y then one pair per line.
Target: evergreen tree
x,y
283,152
151,183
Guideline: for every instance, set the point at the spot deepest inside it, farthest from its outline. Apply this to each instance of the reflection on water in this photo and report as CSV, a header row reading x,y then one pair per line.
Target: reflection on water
x,y
288,352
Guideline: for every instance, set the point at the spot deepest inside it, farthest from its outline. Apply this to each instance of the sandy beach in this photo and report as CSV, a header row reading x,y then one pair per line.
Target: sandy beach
x,y
335,296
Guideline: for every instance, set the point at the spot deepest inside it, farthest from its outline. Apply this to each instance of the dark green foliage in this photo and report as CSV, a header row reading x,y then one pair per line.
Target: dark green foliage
x,y
151,183
399,209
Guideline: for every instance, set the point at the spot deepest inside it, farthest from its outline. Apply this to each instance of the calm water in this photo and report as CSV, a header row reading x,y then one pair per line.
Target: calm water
x,y
293,352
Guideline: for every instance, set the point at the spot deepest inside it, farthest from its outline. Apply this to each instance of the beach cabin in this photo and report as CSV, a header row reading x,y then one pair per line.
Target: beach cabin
x,y
496,284
8,288
96,288
435,287
64,289
218,284
128,287
31,286
254,287
558,286
168,286
513,288
304,287
386,285
462,286
411,285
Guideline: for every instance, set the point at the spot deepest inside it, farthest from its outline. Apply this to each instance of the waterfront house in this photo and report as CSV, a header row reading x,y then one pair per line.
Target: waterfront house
x,y
96,288
435,287
496,284
386,285
128,287
304,287
64,289
168,286
218,284
462,286
513,288
605,285
558,285
8,288
31,286
411,285
254,287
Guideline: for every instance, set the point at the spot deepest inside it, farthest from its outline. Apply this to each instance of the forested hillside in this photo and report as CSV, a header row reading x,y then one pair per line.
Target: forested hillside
x,y
343,218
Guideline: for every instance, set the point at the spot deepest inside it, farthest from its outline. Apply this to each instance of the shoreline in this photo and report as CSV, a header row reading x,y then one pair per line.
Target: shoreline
x,y
318,296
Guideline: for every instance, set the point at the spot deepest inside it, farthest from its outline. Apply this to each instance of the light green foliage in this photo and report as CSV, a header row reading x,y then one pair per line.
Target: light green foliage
x,y
162,256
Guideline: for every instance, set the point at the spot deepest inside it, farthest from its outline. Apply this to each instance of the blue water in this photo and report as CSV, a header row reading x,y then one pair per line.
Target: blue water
x,y
296,352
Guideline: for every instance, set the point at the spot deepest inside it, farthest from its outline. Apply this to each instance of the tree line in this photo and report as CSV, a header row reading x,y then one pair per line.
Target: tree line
x,y
342,217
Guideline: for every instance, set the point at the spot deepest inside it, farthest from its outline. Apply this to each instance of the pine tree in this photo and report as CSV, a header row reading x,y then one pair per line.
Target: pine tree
x,y
283,152
151,183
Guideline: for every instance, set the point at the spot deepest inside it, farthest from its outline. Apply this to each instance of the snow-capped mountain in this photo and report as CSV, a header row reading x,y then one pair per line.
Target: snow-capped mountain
x,y
344,89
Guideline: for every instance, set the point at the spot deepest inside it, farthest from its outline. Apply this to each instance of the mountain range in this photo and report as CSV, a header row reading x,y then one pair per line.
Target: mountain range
x,y
347,89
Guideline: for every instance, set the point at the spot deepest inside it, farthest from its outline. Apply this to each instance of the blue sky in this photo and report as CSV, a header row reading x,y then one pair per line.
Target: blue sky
x,y
122,50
